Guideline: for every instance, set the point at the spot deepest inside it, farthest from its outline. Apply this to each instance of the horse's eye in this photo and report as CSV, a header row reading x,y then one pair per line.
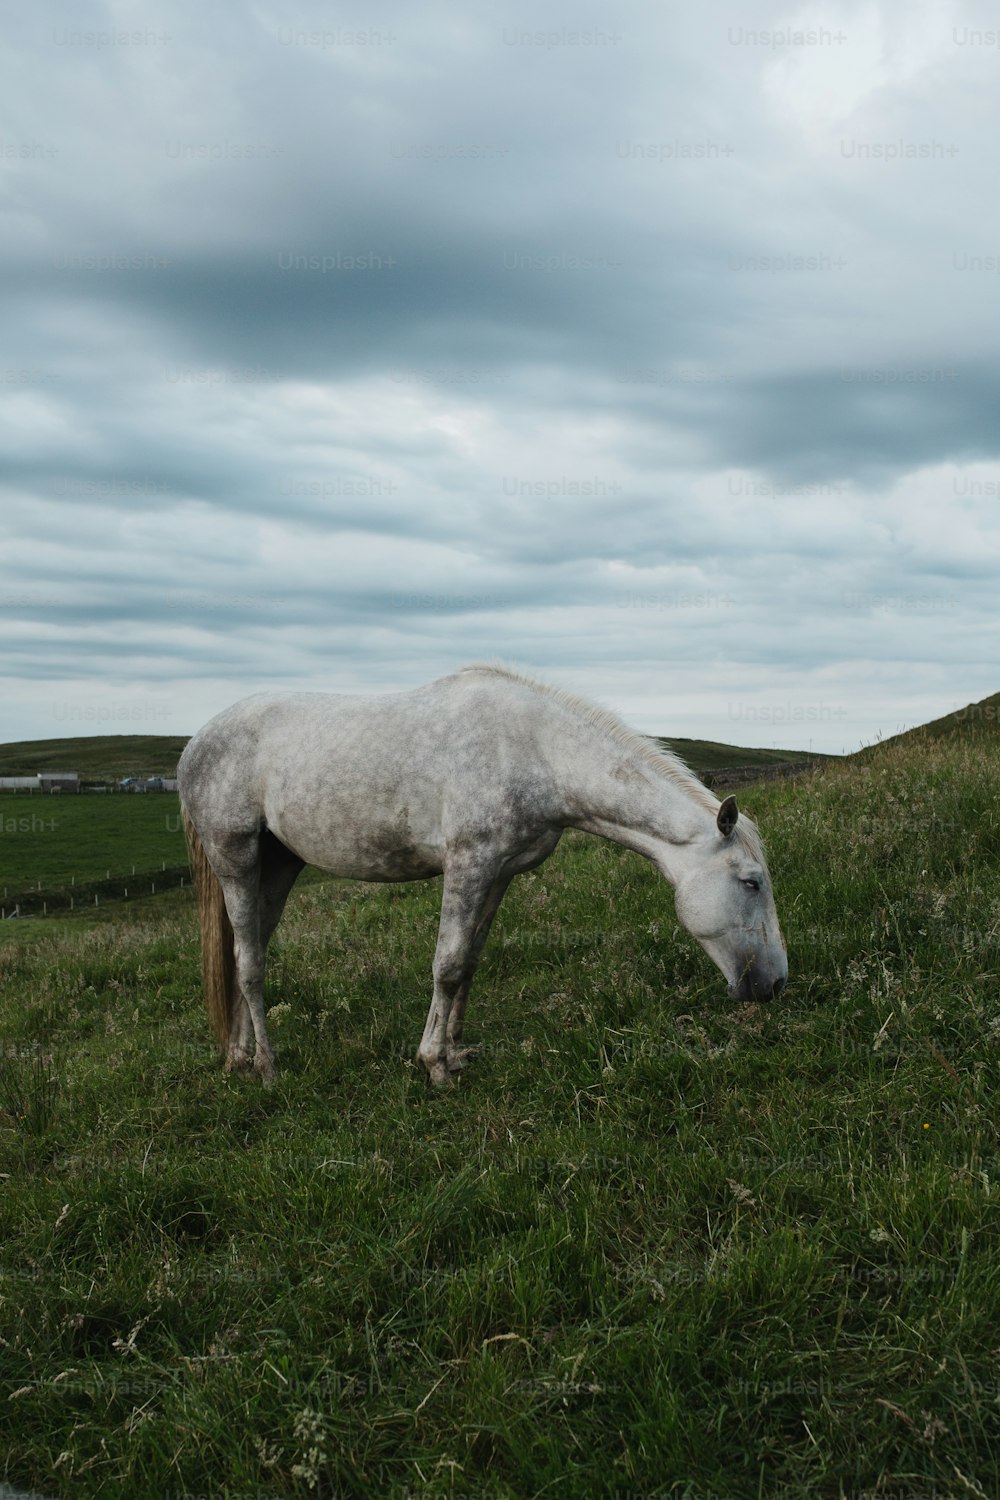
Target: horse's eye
x,y
751,885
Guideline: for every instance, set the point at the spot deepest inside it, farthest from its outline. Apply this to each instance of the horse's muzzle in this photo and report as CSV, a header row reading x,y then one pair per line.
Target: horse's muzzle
x,y
751,987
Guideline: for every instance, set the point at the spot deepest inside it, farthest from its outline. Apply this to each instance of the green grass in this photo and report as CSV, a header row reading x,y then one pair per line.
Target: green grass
x,y
653,1243
54,839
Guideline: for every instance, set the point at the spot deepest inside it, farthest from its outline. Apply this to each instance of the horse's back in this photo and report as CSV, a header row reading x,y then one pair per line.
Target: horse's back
x,y
371,786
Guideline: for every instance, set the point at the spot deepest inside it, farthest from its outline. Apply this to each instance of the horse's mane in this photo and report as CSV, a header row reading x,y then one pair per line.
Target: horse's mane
x,y
665,761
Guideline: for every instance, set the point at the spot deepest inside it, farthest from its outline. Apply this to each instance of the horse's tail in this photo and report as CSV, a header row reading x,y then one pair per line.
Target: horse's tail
x,y
218,959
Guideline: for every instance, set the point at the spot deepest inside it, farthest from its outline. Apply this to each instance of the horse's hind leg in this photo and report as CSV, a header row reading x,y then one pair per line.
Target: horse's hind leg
x,y
242,904
241,1048
279,868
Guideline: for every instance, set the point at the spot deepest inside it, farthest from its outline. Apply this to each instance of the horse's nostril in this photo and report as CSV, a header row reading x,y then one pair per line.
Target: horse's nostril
x,y
779,985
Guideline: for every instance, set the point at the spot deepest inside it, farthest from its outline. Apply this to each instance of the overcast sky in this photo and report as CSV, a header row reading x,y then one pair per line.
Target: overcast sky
x,y
652,349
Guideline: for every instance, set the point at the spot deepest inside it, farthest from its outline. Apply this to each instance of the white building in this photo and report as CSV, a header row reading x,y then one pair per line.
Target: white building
x,y
45,781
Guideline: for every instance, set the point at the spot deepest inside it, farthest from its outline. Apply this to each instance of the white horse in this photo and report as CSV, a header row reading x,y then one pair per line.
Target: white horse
x,y
473,777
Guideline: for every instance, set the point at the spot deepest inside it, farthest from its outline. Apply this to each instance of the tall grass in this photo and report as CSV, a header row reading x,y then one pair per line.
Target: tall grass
x,y
653,1244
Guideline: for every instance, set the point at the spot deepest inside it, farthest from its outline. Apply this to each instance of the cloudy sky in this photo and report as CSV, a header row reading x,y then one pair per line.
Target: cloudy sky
x,y
649,348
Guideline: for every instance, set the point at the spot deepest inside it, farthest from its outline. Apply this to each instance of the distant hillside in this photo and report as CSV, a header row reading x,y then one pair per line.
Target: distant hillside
x,y
976,720
95,755
98,755
710,755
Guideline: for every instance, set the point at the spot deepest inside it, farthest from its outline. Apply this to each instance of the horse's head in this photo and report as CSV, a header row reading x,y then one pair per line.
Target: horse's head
x,y
724,899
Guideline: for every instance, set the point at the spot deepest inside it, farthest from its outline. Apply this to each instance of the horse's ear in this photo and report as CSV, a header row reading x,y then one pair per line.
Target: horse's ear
x,y
728,813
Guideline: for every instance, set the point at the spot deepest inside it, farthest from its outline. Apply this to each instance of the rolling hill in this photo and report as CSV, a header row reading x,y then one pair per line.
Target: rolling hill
x,y
95,756
975,721
114,755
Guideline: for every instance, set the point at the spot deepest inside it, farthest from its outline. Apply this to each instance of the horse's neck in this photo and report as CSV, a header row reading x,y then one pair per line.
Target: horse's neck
x,y
612,791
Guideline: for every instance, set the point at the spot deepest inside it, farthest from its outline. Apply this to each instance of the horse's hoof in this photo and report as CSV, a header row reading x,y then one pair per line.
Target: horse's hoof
x,y
436,1072
265,1070
461,1059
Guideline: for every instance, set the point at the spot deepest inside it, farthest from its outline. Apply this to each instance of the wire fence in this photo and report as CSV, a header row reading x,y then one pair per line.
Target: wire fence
x,y
34,900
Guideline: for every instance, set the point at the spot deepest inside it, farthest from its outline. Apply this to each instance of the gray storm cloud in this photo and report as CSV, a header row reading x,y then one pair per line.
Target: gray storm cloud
x,y
652,352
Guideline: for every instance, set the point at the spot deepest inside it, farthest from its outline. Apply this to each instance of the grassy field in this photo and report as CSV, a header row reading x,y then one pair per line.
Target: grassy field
x,y
61,852
653,1244
53,840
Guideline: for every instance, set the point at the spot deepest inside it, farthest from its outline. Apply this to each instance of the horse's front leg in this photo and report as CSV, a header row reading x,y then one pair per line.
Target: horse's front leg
x,y
457,1055
472,893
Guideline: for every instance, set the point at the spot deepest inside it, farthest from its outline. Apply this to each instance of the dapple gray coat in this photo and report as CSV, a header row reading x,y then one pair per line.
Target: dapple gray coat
x,y
473,777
